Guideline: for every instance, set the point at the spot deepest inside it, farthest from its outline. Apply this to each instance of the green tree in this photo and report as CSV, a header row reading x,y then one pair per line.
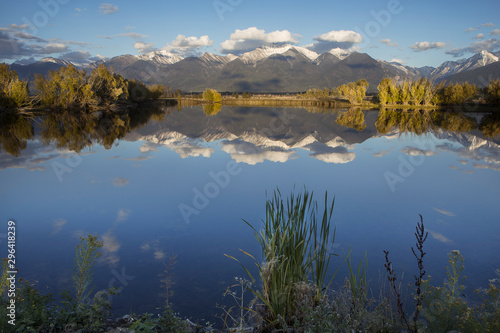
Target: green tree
x,y
65,88
15,130
86,254
493,92
384,90
326,92
429,91
212,95
108,87
361,87
353,118
13,92
212,109
404,93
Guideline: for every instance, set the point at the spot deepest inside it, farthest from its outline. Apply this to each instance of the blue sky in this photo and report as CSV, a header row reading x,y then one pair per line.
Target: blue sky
x,y
417,33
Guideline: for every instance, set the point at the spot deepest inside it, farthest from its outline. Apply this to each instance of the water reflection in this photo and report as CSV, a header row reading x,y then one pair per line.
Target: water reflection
x,y
15,130
249,136
74,130
353,118
422,121
132,192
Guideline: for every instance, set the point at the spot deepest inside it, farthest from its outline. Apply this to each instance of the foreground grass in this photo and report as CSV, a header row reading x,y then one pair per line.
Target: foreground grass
x,y
292,293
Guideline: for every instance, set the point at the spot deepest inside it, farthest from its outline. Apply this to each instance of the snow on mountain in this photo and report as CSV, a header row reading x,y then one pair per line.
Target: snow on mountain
x,y
231,57
410,72
339,53
55,61
406,69
161,57
264,52
480,59
217,60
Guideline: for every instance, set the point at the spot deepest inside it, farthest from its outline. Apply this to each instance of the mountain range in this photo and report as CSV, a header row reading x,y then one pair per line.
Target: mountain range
x,y
283,68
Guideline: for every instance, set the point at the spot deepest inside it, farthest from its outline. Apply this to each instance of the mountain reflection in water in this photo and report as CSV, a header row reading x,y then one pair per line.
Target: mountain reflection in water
x,y
124,177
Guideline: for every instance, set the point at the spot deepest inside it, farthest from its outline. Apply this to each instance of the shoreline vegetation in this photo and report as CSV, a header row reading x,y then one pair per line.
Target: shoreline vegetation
x,y
292,291
102,89
78,130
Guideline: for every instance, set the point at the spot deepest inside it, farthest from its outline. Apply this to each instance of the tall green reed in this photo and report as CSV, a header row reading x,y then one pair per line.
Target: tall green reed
x,y
296,248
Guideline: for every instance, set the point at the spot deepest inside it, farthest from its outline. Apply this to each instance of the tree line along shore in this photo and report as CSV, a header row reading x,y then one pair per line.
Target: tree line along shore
x,y
72,88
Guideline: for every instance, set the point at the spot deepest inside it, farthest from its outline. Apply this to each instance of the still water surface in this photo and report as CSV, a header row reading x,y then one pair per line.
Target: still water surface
x,y
181,185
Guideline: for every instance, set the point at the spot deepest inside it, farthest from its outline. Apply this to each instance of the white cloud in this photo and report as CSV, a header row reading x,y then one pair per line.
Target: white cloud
x,y
182,41
424,46
186,45
159,254
186,147
251,38
495,32
277,36
80,10
107,8
489,24
382,153
417,152
490,45
343,39
143,47
57,225
51,48
479,36
139,158
439,237
335,158
389,42
399,61
470,29
147,147
109,248
98,57
27,36
444,212
340,36
245,152
119,182
336,155
76,55
486,166
122,215
20,27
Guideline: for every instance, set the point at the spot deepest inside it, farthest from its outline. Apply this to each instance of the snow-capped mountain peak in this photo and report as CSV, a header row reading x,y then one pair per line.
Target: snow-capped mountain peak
x,y
161,57
61,62
231,56
339,53
211,59
483,58
264,52
480,59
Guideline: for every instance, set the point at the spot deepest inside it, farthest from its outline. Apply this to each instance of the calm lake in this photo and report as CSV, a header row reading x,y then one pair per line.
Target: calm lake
x,y
180,183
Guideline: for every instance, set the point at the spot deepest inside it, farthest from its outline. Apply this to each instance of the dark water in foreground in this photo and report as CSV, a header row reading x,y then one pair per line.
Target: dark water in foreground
x,y
181,184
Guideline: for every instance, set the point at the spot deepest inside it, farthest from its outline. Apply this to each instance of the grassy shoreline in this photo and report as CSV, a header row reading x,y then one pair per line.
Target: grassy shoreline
x,y
333,103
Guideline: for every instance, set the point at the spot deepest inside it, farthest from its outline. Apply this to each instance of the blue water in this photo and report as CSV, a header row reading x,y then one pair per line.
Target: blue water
x,y
182,186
